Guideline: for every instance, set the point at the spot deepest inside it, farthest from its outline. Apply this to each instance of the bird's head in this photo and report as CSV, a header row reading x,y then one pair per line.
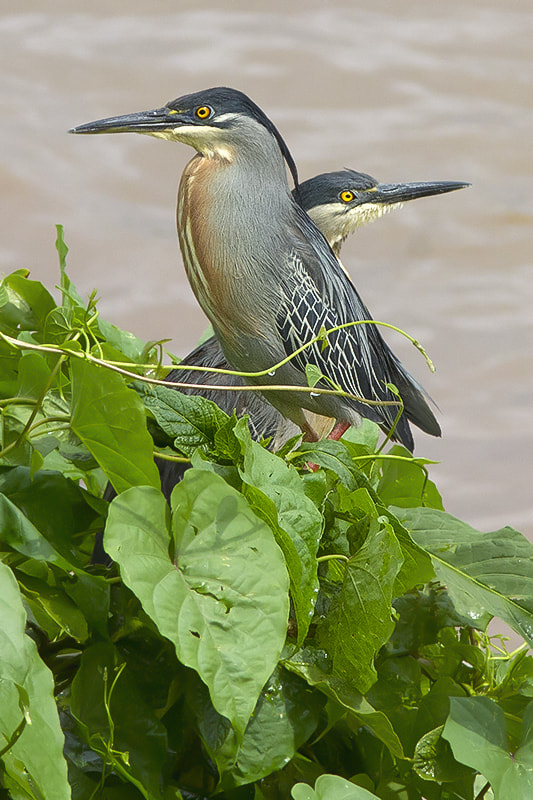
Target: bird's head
x,y
340,202
213,121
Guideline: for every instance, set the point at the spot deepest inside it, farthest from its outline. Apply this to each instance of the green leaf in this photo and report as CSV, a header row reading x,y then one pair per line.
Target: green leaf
x,y
57,605
20,534
397,693
109,419
433,760
71,298
130,735
416,567
487,574
49,514
191,420
359,620
54,505
405,481
223,601
25,303
277,495
331,787
331,455
33,377
365,436
125,342
40,744
422,614
313,374
434,706
476,731
9,361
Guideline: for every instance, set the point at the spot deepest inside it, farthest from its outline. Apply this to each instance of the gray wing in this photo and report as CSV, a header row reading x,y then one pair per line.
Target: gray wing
x,y
316,295
264,420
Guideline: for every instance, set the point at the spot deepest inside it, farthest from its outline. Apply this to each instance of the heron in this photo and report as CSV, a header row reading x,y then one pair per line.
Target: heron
x,y
339,203
272,287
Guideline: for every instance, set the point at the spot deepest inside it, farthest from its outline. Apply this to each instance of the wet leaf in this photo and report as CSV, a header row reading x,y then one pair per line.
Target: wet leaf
x,y
285,716
314,666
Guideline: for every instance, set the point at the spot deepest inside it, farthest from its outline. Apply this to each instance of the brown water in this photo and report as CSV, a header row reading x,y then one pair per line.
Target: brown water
x,y
433,91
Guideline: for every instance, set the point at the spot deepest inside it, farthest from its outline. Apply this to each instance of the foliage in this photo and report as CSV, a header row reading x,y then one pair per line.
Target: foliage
x,y
271,631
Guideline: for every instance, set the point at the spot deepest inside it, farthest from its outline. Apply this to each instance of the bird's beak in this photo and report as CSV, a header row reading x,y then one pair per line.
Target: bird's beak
x,y
158,120
392,193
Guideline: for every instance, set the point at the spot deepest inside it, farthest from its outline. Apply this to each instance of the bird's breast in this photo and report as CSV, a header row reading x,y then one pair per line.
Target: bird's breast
x,y
218,247
195,234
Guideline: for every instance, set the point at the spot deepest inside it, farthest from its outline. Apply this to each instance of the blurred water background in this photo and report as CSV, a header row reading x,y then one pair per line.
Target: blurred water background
x,y
406,91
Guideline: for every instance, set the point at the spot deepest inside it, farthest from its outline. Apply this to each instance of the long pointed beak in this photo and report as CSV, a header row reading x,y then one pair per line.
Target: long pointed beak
x,y
159,119
391,193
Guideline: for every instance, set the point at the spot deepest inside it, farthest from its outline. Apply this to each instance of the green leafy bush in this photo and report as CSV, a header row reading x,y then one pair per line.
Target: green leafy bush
x,y
274,631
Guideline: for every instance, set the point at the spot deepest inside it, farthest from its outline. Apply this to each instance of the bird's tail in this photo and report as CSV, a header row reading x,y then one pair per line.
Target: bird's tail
x,y
416,403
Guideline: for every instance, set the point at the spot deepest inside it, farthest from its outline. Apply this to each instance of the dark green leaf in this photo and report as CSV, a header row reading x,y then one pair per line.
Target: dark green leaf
x,y
191,420
57,605
56,507
285,716
331,455
130,736
422,614
433,760
315,667
364,504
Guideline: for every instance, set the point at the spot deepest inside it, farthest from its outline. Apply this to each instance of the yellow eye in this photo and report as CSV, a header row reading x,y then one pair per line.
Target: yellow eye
x,y
203,112
346,196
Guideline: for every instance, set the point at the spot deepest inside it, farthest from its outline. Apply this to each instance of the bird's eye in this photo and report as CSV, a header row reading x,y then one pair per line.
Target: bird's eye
x,y
203,112
346,196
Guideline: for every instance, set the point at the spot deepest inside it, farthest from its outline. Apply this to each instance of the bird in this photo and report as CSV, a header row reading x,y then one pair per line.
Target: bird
x,y
339,203
266,276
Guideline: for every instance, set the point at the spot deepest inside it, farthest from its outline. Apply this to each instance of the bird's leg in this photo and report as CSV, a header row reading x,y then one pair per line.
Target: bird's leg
x,y
309,436
338,429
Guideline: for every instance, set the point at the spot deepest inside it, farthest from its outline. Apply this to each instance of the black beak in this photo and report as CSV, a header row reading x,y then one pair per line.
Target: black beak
x,y
159,119
391,193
